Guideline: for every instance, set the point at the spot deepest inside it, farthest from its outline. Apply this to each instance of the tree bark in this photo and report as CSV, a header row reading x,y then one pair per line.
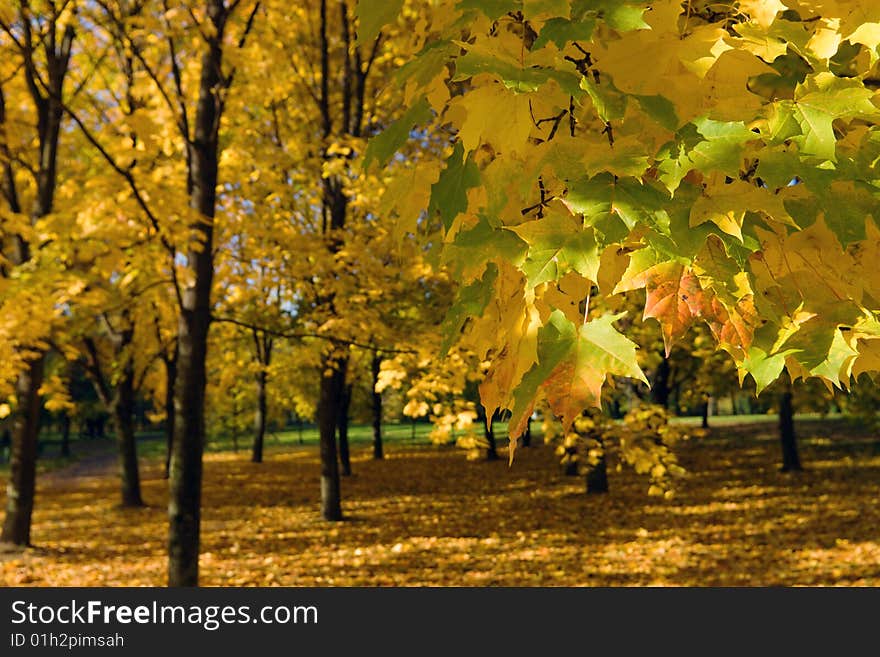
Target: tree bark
x,y
328,402
376,366
123,417
597,475
704,412
65,435
342,428
489,434
170,377
660,385
56,46
787,438
203,150
260,418
23,456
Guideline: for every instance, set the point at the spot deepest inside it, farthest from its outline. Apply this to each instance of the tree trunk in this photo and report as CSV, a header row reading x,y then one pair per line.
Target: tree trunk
x,y
597,476
23,456
790,460
660,385
49,115
260,418
378,452
123,417
65,435
184,505
527,435
170,377
342,428
704,409
328,401
489,433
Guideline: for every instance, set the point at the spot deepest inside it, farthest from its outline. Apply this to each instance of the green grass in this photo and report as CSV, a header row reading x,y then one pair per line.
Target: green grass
x,y
758,418
152,444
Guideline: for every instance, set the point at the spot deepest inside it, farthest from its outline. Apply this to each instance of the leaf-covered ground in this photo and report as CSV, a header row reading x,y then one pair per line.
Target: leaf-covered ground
x,y
425,516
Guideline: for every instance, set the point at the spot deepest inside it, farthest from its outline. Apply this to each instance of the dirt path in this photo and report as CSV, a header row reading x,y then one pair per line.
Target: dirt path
x,y
95,460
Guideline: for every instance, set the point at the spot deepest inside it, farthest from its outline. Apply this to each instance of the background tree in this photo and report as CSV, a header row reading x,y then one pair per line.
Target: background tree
x,y
37,45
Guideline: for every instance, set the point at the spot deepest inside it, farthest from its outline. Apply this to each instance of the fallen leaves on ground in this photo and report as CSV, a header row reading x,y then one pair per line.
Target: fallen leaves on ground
x,y
425,516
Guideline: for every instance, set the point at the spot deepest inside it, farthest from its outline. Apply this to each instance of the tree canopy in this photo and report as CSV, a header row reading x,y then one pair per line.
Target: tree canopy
x,y
722,157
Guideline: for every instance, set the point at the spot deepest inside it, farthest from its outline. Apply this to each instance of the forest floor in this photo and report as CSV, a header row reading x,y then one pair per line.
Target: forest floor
x,y
426,516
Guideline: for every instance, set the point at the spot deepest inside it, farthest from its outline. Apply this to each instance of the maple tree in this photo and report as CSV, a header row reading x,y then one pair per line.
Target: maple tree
x,y
37,48
242,210
734,179
185,84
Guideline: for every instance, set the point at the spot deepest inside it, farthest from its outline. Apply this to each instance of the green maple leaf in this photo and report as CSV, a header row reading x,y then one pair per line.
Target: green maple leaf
x,y
573,362
449,193
384,145
483,243
623,17
373,15
597,350
554,342
661,109
470,301
493,9
558,243
617,205
765,368
562,31
818,102
722,146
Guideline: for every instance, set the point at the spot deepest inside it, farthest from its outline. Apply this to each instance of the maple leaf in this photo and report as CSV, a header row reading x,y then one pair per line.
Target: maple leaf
x,y
449,193
674,298
373,16
558,243
573,362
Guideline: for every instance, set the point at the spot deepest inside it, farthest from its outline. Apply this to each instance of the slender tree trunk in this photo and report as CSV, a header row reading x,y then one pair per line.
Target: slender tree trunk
x,y
65,435
660,384
260,419
170,377
376,367
123,417
23,456
342,428
185,482
527,435
184,506
489,433
790,459
733,405
597,475
328,402
704,412
56,46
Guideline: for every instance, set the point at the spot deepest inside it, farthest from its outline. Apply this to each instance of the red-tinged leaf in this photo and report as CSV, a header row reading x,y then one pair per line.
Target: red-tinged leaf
x,y
597,349
674,298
